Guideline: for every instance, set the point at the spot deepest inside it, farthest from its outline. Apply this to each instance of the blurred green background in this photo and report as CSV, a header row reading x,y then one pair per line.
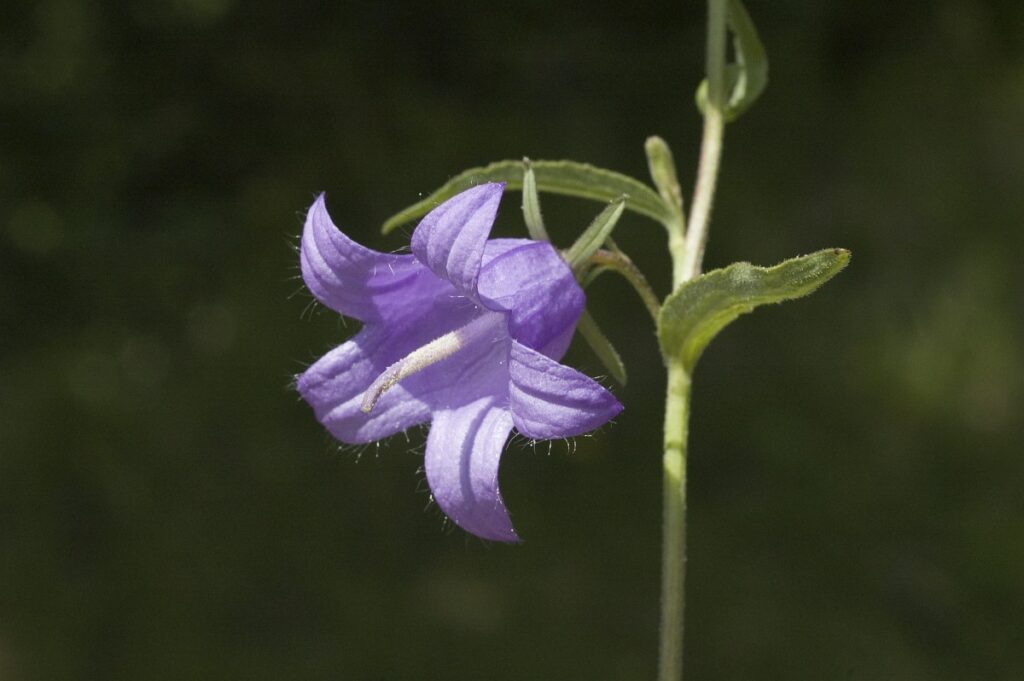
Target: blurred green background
x,y
169,509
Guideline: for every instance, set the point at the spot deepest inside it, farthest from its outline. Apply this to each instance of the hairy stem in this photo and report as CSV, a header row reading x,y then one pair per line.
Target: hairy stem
x,y
711,144
677,249
673,557
687,253
621,263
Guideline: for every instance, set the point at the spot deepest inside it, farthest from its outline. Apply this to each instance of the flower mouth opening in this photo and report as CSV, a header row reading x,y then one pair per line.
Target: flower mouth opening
x,y
443,347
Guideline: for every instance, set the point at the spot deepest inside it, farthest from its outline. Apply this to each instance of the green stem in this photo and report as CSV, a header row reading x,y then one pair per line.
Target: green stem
x,y
677,249
687,250
619,262
711,143
673,557
704,194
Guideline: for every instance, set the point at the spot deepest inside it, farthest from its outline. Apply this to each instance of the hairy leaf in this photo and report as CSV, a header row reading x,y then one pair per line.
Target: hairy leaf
x,y
558,177
531,205
696,311
748,77
595,235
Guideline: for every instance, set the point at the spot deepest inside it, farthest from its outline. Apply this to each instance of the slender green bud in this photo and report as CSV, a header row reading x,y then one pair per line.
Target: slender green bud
x,y
663,171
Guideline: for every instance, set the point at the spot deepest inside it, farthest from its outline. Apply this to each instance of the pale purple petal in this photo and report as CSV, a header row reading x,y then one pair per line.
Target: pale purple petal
x,y
557,346
352,279
450,239
497,247
497,372
538,289
550,400
463,451
335,385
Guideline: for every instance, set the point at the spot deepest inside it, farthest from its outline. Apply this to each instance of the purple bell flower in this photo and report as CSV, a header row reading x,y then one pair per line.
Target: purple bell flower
x,y
465,332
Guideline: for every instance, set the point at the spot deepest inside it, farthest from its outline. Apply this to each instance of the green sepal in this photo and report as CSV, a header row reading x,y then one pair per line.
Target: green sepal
x,y
531,205
748,77
602,347
696,311
558,177
594,235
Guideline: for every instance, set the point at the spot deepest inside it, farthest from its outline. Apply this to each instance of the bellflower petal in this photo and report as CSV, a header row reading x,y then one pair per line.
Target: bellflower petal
x,y
450,239
465,332
538,291
550,400
354,280
499,247
334,385
463,451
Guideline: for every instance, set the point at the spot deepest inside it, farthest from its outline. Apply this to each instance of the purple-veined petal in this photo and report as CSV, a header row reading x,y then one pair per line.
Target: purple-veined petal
x,y
557,346
550,400
357,281
335,385
463,452
535,286
497,247
431,318
450,239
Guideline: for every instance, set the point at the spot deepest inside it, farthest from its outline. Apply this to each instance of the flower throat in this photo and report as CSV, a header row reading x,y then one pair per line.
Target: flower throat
x,y
433,352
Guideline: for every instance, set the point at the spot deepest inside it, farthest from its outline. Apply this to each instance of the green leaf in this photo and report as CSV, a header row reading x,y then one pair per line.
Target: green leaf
x,y
558,177
748,77
531,205
696,311
602,347
595,235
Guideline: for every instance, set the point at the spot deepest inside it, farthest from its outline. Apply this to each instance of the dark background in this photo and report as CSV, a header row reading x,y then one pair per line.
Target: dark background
x,y
169,509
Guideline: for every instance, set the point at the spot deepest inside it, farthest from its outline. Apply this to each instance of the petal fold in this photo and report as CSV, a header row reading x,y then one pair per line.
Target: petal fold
x,y
334,387
536,287
354,280
463,452
335,384
550,400
450,239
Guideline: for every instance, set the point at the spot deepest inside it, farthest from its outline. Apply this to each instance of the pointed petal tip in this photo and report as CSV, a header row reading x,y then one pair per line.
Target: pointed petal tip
x,y
550,400
510,537
344,275
318,209
451,238
493,529
491,186
613,406
463,453
487,192
307,382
